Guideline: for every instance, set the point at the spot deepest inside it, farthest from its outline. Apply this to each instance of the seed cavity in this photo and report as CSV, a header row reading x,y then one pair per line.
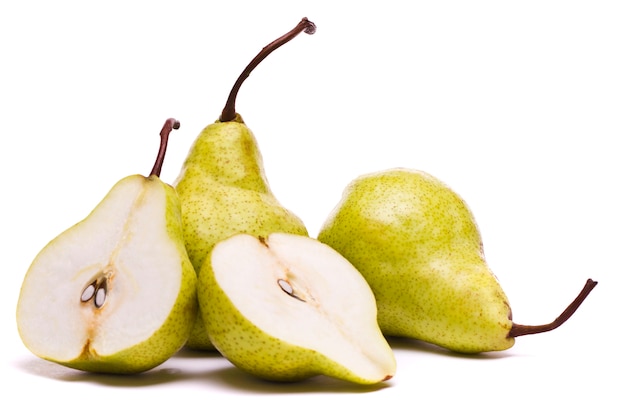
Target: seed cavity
x,y
288,289
96,290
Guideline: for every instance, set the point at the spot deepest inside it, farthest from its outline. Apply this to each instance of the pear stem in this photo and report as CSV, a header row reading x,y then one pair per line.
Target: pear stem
x,y
522,330
229,113
165,135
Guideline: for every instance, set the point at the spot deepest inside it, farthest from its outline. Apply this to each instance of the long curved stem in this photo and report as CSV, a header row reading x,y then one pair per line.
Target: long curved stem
x,y
522,330
305,25
165,134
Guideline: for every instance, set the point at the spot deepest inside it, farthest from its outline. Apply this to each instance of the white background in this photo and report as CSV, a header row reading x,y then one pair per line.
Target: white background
x,y
519,106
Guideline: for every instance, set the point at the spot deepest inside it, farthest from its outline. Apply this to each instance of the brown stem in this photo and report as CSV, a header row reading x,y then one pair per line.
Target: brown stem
x,y
165,134
522,330
229,113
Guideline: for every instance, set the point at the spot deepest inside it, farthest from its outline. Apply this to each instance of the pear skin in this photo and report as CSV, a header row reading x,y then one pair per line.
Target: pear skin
x,y
224,191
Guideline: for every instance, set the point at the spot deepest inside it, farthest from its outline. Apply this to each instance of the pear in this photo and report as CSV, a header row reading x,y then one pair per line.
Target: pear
x,y
223,188
116,292
286,307
418,246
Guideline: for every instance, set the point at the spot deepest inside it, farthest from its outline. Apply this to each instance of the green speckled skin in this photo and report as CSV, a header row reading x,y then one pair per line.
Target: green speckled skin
x,y
417,244
223,191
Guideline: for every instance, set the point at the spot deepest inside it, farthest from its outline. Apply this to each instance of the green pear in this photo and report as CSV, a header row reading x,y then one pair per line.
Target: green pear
x,y
223,188
417,244
287,307
116,292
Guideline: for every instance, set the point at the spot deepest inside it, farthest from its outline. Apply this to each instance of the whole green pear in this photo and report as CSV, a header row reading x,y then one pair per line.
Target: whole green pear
x,y
223,188
417,244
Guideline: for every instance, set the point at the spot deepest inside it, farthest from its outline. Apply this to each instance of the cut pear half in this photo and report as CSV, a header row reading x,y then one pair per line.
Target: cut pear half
x,y
116,292
288,307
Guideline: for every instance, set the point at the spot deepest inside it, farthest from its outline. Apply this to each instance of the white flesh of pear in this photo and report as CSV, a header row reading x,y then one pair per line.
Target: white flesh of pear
x,y
303,292
125,236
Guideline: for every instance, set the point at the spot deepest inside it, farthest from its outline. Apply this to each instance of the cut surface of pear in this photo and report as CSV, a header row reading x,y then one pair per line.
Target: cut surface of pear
x,y
116,292
288,307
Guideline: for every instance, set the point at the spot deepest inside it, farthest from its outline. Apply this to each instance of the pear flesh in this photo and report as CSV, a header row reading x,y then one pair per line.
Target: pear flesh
x,y
288,307
417,244
115,292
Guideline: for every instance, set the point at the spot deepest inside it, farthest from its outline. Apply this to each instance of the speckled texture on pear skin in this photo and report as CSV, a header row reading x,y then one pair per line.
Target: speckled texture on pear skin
x,y
417,244
224,191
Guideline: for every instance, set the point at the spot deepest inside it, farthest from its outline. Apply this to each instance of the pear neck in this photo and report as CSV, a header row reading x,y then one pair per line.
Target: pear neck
x,y
234,154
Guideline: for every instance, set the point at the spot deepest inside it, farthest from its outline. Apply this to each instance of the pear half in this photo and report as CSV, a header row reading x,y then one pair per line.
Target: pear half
x,y
116,292
288,307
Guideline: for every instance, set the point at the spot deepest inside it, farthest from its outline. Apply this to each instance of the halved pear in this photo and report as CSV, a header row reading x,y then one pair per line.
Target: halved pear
x,y
116,292
288,307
